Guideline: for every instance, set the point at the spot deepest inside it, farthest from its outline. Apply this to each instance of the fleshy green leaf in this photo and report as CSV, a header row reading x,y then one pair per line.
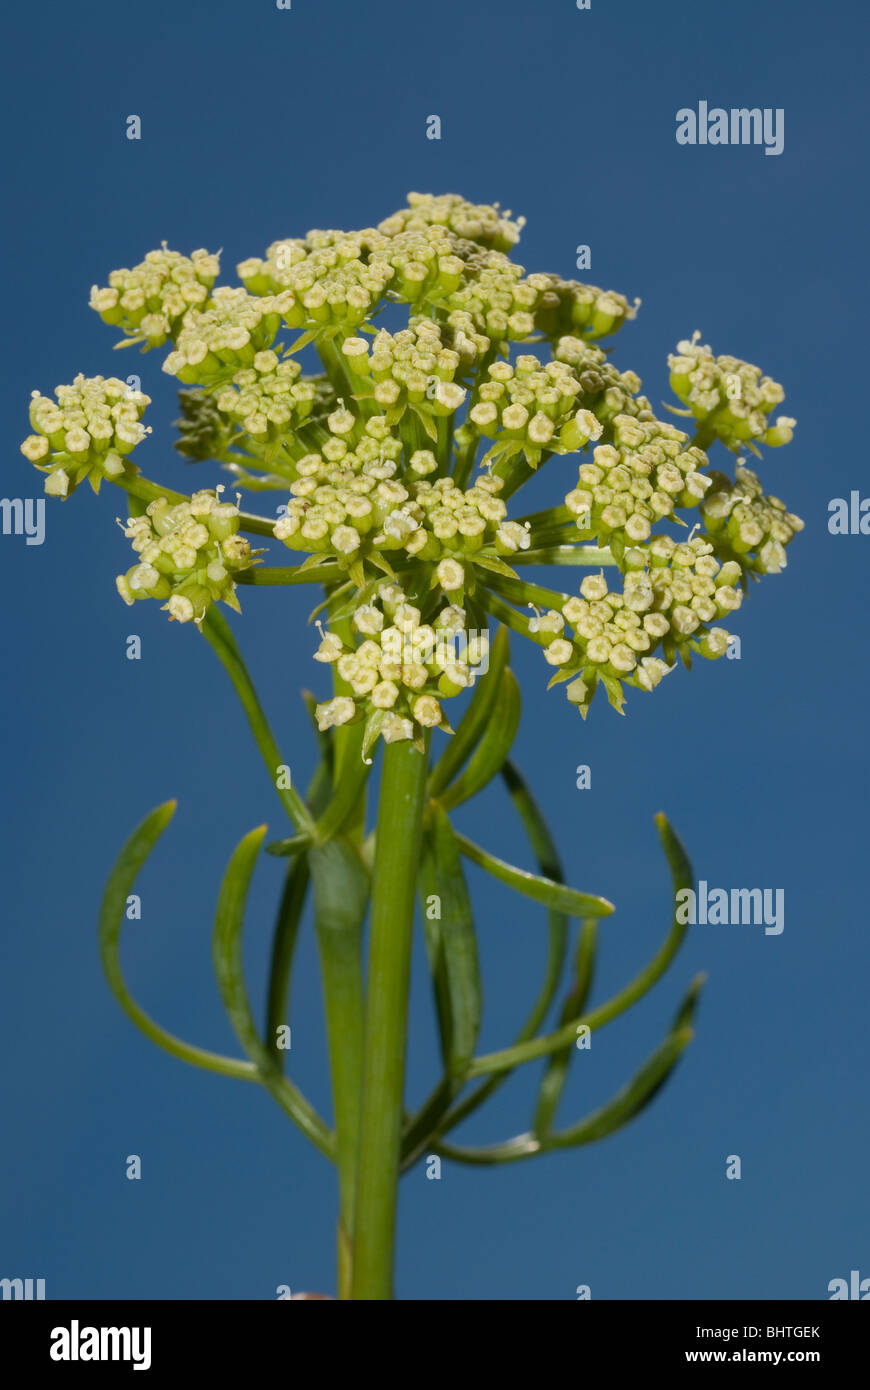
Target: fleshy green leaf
x,y
435,1117
229,972
631,1099
495,565
681,875
624,1106
121,880
284,939
556,1073
451,944
283,849
542,890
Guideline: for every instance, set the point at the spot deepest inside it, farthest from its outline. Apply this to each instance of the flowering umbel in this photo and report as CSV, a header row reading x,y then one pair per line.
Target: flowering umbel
x,y
400,458
188,554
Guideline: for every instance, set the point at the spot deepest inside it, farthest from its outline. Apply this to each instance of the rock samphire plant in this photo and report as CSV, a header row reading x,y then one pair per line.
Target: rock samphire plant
x,y
397,465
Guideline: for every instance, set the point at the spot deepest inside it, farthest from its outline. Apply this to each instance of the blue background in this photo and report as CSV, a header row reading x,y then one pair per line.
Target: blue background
x,y
259,123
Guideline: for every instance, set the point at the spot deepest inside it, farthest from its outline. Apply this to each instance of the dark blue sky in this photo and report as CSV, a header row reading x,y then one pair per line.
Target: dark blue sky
x,y
259,123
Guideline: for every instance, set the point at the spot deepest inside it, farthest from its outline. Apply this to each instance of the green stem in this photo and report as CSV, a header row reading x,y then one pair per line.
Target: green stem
x,y
147,491
218,634
347,810
704,436
341,895
290,574
337,371
564,555
397,853
523,591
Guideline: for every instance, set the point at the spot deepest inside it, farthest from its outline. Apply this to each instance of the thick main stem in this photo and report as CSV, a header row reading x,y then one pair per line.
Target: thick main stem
x,y
397,852
339,915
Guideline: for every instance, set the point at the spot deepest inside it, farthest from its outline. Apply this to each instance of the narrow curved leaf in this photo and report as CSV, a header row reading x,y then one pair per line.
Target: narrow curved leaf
x,y
510,1151
457,968
542,890
284,938
491,752
623,1107
681,876
474,721
435,1116
630,1100
121,880
218,634
229,972
556,1073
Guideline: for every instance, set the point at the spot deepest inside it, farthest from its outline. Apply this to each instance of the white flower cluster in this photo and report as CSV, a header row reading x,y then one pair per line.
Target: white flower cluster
x,y
213,343
401,669
527,407
416,367
188,554
730,399
350,500
149,301
638,480
85,432
670,593
746,526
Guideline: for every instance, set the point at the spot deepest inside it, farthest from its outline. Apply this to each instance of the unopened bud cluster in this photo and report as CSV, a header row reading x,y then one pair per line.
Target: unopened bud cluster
x,y
424,253
85,433
605,390
188,555
584,311
483,223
